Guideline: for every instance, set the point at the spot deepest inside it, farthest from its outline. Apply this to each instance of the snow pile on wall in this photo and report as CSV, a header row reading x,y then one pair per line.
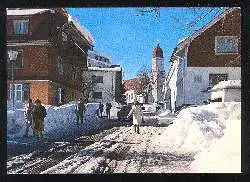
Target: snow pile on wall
x,y
197,127
227,84
59,121
224,155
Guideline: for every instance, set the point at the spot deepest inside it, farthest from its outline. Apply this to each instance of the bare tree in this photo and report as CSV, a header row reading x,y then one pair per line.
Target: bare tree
x,y
88,85
144,75
199,15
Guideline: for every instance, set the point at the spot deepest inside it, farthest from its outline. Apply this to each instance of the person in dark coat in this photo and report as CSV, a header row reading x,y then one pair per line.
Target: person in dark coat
x,y
108,107
80,111
38,113
101,106
29,116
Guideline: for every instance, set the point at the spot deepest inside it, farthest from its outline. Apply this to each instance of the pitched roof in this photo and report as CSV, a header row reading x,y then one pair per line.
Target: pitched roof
x,y
84,31
201,30
131,84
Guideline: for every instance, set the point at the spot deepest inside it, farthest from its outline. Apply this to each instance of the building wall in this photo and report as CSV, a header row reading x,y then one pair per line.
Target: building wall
x,y
158,75
40,57
201,52
232,95
193,94
35,62
130,96
98,60
107,87
218,94
40,25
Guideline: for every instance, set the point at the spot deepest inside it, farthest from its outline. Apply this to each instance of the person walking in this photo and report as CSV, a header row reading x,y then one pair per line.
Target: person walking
x,y
28,116
108,107
137,116
38,113
101,106
80,111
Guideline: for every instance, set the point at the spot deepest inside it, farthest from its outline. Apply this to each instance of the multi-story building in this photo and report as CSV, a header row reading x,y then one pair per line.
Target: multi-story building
x,y
96,59
202,60
106,83
52,51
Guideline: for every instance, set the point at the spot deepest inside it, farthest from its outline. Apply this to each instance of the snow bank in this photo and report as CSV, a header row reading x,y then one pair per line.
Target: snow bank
x,y
197,127
164,113
224,155
59,121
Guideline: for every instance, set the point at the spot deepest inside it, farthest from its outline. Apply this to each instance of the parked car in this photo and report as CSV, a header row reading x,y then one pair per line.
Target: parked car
x,y
123,113
148,109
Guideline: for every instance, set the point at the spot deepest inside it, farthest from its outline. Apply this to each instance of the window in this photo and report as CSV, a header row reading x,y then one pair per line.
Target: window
x,y
18,62
197,78
226,44
99,79
18,92
21,27
216,78
97,95
60,65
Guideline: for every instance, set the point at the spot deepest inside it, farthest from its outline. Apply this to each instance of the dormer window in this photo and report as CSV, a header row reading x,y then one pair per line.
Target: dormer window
x,y
21,27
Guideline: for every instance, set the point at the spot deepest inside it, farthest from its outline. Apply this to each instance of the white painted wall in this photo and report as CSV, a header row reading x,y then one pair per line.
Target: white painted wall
x,y
130,96
232,95
107,87
172,84
158,77
102,60
193,90
217,94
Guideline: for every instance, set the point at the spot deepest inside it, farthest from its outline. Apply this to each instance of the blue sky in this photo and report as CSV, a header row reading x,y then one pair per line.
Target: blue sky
x,y
129,38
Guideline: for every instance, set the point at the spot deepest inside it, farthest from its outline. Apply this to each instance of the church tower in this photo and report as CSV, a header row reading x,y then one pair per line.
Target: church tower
x,y
158,74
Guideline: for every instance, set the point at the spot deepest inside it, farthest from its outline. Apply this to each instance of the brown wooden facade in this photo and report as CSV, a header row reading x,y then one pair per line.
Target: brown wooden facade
x,y
41,49
201,51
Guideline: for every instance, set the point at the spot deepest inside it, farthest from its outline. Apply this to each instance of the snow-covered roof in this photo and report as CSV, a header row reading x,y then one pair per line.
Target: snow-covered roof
x,y
104,69
227,85
26,11
84,31
94,52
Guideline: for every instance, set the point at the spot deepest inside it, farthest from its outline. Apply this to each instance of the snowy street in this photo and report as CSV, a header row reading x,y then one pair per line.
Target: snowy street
x,y
197,137
124,152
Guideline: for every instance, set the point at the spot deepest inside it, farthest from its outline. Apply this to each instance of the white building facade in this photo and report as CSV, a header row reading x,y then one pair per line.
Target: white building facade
x,y
96,59
194,69
106,83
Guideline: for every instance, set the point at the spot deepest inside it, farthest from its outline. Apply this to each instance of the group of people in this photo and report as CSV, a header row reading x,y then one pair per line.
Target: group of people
x,y
35,114
108,108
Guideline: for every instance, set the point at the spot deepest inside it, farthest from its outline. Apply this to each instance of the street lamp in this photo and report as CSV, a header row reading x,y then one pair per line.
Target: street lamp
x,y
12,57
